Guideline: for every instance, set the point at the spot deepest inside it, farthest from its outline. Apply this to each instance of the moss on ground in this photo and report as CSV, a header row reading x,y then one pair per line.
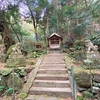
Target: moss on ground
x,y
23,95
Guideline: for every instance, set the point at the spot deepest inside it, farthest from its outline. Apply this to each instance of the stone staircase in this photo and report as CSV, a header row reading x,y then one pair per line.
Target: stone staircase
x,y
52,78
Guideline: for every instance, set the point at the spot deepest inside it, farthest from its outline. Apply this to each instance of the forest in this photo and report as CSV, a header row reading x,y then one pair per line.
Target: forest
x,y
38,19
25,29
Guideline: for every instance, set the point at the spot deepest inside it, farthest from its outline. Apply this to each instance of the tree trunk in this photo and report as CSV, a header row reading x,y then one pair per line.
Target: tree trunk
x,y
47,27
34,24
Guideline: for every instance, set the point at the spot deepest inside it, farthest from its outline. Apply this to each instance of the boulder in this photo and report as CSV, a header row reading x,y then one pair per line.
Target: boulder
x,y
87,94
95,84
3,81
5,72
17,82
96,89
81,89
96,78
16,62
82,78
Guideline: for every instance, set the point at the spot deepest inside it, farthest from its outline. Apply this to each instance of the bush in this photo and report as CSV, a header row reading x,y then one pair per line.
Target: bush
x,y
23,95
9,91
96,39
2,88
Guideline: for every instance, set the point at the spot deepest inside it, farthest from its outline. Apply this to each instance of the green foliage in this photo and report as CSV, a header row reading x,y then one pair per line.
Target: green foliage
x,y
80,98
5,72
35,54
31,62
2,88
8,91
23,95
28,45
78,47
88,95
79,29
85,67
22,72
96,39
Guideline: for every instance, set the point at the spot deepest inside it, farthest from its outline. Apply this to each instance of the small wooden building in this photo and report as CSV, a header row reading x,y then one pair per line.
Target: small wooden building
x,y
54,41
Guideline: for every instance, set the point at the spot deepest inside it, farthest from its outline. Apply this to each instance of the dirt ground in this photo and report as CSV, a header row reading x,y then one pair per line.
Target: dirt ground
x,y
2,66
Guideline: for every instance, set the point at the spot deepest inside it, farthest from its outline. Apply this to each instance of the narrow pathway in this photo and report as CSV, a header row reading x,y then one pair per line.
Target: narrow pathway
x,y
51,80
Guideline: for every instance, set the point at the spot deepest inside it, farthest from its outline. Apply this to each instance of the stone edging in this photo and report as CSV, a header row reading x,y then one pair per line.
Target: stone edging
x,y
31,77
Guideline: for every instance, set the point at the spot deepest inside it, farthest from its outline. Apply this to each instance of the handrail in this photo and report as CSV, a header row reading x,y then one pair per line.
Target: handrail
x,y
73,84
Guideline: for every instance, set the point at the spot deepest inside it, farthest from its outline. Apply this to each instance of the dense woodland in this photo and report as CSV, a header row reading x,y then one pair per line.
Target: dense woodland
x,y
31,22
37,19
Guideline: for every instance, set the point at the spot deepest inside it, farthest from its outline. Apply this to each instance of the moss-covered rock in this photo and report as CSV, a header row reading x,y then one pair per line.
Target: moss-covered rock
x,y
82,78
87,94
3,81
9,51
17,62
17,81
5,72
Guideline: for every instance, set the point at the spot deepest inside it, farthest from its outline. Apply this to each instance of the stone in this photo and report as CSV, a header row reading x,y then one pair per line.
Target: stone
x,y
96,89
97,97
16,59
96,78
86,94
81,89
3,81
17,82
83,79
5,72
99,85
90,46
17,62
95,84
92,51
17,48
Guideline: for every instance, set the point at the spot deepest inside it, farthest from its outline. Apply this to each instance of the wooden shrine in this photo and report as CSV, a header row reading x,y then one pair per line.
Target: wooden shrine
x,y
54,41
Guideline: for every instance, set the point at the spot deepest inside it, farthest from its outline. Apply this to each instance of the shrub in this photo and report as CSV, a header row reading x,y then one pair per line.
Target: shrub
x,y
23,95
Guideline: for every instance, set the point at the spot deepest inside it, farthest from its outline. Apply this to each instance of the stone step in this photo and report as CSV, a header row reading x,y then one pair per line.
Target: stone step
x,y
58,92
41,97
52,71
53,66
52,77
52,62
51,83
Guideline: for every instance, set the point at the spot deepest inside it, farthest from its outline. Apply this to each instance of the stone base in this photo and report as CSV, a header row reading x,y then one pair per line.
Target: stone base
x,y
17,62
93,55
15,55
